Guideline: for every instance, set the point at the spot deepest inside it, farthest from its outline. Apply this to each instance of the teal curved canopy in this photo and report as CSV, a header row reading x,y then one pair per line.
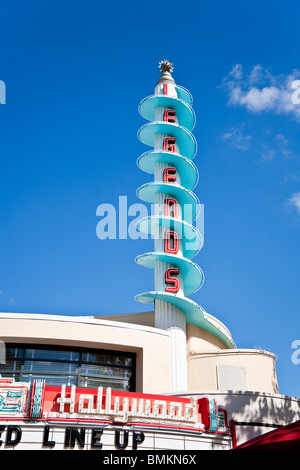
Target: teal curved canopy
x,y
192,240
187,170
185,140
184,113
188,201
193,276
184,94
193,312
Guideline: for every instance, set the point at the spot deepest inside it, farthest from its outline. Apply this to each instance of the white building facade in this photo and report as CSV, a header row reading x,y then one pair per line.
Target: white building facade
x,y
170,378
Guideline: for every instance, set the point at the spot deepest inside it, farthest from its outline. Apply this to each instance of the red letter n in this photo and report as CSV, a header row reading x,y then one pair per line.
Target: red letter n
x,y
171,208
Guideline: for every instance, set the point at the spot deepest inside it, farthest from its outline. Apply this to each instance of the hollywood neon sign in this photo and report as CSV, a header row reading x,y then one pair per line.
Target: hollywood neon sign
x,y
42,402
126,408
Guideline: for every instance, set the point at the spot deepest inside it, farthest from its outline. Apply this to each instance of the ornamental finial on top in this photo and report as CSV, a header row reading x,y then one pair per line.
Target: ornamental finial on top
x,y
165,66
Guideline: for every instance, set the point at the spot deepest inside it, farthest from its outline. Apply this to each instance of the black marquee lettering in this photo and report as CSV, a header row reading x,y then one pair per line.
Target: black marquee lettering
x,y
118,444
67,437
46,441
137,438
78,436
75,435
96,437
13,436
1,431
72,435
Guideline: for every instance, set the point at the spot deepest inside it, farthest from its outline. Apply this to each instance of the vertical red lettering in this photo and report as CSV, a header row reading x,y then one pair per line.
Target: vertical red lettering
x,y
169,144
172,280
171,242
171,208
170,115
169,174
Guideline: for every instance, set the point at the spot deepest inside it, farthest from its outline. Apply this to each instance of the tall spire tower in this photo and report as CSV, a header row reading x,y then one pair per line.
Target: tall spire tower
x,y
169,133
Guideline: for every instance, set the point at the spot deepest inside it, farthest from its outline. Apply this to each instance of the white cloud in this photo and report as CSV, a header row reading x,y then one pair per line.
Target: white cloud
x,y
237,139
283,145
259,90
278,147
294,201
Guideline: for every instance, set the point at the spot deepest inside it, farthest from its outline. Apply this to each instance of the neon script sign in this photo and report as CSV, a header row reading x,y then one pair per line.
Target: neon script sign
x,y
41,402
123,409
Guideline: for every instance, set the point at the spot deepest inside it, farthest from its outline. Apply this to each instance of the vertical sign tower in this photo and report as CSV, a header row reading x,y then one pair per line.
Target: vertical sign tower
x,y
171,120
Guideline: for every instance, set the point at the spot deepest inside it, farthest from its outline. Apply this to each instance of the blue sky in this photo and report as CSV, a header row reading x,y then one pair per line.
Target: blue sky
x,y
75,73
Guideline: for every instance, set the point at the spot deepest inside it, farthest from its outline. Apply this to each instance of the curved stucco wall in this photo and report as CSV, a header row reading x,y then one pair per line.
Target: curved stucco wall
x,y
211,367
206,358
150,345
238,369
200,340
